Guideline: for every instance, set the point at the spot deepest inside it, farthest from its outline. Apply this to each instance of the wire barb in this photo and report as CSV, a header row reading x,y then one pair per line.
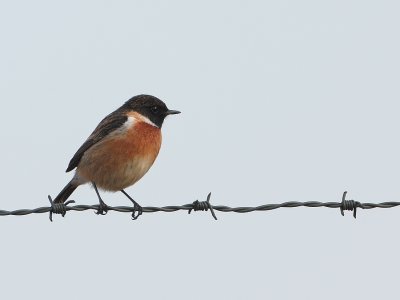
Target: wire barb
x,y
203,206
349,205
58,208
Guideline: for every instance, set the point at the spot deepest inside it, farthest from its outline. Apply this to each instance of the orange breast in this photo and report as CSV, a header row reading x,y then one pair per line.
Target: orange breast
x,y
122,159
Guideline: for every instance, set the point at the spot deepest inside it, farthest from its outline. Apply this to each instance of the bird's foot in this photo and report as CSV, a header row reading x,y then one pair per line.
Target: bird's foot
x,y
103,208
137,211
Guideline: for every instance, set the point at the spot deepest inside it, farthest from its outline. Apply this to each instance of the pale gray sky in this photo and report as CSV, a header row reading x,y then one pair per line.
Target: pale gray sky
x,y
280,100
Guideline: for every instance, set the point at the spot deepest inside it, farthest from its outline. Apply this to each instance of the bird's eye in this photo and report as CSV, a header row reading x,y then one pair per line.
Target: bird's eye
x,y
154,109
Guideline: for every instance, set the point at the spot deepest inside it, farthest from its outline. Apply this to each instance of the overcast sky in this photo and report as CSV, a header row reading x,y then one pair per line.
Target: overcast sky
x,y
280,100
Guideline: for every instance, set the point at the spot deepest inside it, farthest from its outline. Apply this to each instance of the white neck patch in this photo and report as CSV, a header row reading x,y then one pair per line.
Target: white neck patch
x,y
136,117
129,123
148,121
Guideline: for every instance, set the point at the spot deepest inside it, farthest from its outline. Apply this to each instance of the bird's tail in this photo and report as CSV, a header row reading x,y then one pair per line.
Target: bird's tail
x,y
66,192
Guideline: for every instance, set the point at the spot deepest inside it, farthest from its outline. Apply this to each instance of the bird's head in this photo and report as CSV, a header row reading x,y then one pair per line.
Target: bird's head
x,y
150,107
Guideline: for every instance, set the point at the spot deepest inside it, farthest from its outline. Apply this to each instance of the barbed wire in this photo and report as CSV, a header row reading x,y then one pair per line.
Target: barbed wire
x,y
62,208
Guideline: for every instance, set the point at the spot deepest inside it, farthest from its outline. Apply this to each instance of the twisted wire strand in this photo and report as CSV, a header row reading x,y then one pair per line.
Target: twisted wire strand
x,y
60,208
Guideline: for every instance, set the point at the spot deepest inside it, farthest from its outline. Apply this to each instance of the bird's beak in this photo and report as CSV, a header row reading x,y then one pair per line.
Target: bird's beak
x,y
172,112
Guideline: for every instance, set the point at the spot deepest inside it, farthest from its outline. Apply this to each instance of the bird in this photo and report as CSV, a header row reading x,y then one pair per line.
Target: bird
x,y
120,150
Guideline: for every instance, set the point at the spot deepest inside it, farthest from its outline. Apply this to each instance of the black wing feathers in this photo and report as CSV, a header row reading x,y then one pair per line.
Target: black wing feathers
x,y
110,123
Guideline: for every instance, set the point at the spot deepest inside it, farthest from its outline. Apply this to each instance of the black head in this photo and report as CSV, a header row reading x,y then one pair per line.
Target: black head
x,y
150,107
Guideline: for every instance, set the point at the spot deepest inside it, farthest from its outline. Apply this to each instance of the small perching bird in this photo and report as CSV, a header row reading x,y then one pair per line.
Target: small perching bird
x,y
120,150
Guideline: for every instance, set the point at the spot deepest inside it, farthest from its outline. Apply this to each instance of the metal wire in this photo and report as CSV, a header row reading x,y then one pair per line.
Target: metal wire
x,y
62,208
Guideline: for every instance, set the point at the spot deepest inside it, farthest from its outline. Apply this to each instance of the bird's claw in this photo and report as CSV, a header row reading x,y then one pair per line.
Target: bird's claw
x,y
137,211
103,209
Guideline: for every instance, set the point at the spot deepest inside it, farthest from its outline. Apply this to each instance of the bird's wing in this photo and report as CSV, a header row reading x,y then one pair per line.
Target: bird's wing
x,y
110,123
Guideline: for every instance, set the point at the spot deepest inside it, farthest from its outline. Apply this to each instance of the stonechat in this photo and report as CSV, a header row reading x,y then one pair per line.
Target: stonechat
x,y
120,150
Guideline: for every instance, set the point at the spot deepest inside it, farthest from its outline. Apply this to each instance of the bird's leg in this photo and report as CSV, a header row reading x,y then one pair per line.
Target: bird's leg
x,y
137,209
103,208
